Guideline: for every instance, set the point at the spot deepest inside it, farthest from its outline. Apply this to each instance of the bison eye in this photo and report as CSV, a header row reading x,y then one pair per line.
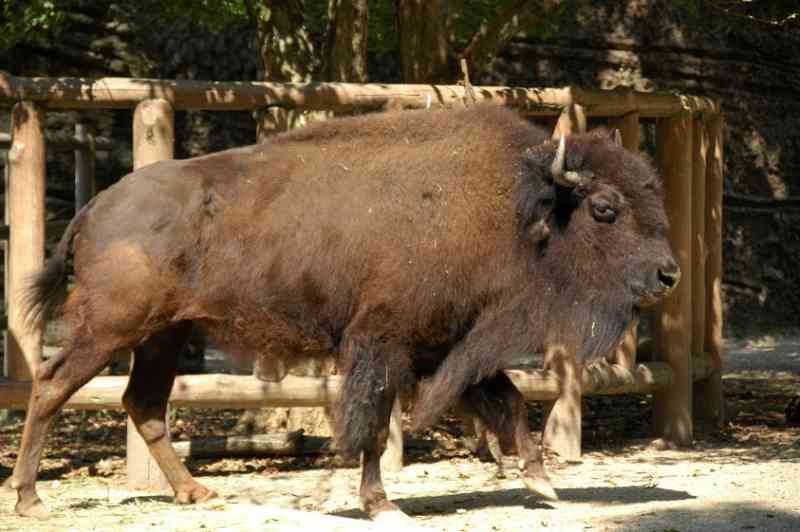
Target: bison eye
x,y
603,211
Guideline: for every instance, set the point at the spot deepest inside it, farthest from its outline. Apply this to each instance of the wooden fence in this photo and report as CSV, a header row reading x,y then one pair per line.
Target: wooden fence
x,y
686,327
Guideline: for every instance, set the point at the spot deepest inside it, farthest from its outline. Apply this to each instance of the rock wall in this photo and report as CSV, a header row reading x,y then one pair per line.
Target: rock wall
x,y
754,69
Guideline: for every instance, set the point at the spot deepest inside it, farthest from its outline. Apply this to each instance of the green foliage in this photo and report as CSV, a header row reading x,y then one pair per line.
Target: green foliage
x,y
27,19
211,14
382,27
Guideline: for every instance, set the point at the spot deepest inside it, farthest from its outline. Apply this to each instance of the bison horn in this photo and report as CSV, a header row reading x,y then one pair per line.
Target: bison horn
x,y
617,136
557,169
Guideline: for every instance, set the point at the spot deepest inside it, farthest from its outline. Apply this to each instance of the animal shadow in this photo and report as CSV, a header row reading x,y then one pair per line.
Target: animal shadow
x,y
476,500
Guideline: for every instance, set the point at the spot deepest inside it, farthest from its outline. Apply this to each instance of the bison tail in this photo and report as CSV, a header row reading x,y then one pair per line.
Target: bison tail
x,y
46,291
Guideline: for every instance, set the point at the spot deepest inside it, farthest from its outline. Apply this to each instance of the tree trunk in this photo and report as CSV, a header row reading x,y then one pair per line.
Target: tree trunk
x,y
493,34
424,45
346,46
287,54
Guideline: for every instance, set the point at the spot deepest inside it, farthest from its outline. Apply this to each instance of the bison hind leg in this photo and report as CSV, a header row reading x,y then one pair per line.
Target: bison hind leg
x,y
145,399
375,373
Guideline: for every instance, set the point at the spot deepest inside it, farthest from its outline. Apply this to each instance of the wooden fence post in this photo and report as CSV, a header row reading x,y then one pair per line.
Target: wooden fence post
x,y
710,392
153,140
672,333
562,426
85,155
628,126
25,214
392,459
699,154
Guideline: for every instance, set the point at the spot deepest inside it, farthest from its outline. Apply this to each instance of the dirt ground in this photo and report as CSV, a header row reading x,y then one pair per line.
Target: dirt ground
x,y
745,477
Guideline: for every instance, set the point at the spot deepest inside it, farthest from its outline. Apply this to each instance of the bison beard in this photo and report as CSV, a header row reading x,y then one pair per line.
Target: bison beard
x,y
421,246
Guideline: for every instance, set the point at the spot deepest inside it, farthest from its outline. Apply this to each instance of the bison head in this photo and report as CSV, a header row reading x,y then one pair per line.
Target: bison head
x,y
594,226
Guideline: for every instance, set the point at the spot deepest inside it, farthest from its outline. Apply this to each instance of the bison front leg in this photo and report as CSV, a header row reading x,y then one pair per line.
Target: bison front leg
x,y
375,373
501,407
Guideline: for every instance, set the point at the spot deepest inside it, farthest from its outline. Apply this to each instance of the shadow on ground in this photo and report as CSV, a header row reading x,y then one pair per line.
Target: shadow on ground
x,y
719,518
478,500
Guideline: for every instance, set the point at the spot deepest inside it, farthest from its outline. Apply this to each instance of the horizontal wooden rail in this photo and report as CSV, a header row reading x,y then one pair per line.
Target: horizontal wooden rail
x,y
64,142
111,93
244,391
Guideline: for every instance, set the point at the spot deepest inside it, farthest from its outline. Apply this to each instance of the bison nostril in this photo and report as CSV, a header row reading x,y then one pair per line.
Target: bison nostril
x,y
669,278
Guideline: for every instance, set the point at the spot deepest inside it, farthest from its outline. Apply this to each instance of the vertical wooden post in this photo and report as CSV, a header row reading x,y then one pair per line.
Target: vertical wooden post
x,y
699,153
673,318
572,120
153,140
711,396
392,459
562,427
84,165
699,149
628,126
25,204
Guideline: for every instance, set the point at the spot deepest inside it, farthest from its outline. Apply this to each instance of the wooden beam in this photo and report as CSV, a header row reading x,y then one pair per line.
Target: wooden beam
x,y
84,165
115,93
274,444
153,141
25,216
392,458
562,426
699,151
673,318
711,393
628,126
699,163
572,120
246,391
61,142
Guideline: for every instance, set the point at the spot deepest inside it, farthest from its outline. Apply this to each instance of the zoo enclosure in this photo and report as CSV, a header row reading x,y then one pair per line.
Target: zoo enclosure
x,y
687,326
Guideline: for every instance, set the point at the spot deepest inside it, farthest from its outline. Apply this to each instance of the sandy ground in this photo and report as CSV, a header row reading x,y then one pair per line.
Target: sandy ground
x,y
746,478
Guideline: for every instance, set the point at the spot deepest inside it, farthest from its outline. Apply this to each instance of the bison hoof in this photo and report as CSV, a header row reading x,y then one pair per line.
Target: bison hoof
x,y
540,485
195,493
32,508
393,520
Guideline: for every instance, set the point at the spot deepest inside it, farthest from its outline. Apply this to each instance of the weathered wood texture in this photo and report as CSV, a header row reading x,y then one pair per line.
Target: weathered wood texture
x,y
245,391
85,154
710,393
63,142
392,458
628,126
153,141
672,333
115,93
25,217
562,426
277,444
699,151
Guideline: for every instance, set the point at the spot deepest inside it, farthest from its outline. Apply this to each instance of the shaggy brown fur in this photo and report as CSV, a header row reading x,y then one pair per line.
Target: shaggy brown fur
x,y
415,245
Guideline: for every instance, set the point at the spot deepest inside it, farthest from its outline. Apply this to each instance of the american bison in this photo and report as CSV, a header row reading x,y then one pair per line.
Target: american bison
x,y
432,247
